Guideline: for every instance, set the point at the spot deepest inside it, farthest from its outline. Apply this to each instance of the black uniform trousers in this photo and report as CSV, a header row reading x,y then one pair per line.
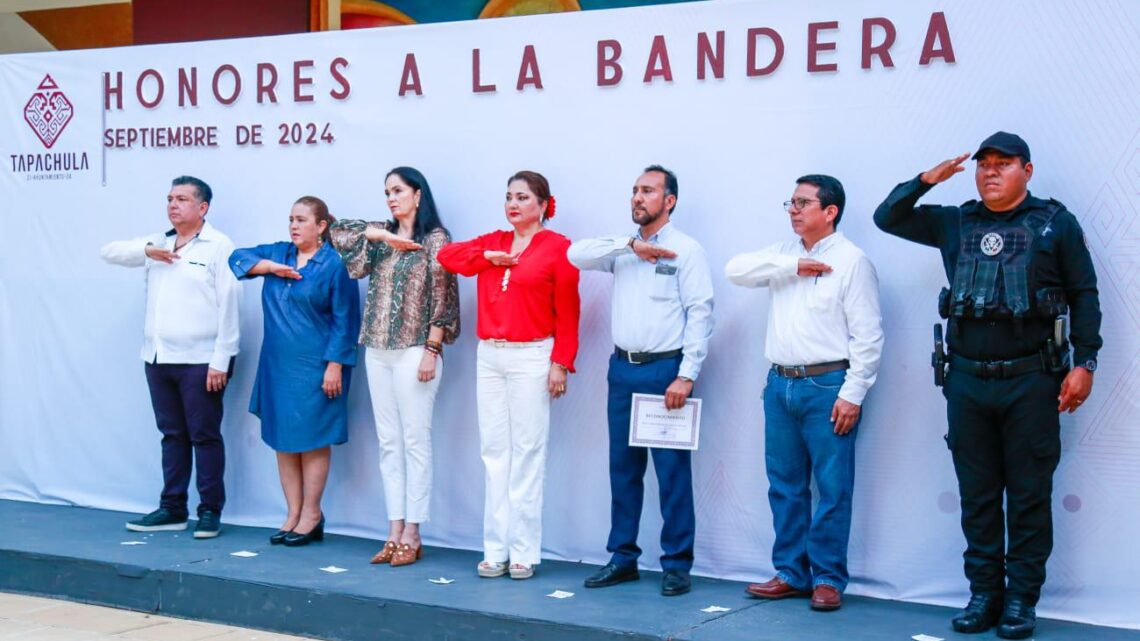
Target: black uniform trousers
x,y
1004,435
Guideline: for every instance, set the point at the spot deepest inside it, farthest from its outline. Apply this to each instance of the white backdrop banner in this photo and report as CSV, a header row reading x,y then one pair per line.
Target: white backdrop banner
x,y
739,98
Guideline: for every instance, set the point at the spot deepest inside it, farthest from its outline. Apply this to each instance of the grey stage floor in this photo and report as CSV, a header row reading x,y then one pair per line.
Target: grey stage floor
x,y
78,554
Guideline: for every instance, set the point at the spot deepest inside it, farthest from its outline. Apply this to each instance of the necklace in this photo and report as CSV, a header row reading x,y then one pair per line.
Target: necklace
x,y
507,273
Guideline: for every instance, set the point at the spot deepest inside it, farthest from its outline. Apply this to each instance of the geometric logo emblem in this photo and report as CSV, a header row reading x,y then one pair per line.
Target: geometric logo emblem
x,y
992,244
48,112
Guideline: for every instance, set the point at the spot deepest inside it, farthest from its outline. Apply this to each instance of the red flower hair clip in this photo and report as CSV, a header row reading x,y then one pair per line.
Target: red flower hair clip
x,y
550,208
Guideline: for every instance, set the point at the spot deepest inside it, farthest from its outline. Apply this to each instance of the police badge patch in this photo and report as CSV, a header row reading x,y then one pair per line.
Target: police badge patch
x,y
992,244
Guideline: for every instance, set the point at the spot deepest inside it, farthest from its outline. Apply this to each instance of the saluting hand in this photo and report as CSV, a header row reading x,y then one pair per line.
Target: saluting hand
x,y
944,170
378,235
808,267
154,252
649,252
501,259
283,271
402,244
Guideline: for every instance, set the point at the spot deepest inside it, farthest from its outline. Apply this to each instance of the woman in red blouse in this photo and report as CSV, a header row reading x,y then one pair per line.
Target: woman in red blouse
x,y
528,330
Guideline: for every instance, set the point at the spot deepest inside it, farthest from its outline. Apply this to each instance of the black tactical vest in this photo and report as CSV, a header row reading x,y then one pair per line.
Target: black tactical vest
x,y
991,279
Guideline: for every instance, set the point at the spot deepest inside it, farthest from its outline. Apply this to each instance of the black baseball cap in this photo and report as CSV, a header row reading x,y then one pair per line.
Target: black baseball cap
x,y
1007,143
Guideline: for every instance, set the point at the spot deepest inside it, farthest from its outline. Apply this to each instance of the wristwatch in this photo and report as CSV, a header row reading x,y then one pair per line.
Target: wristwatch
x,y
632,240
1090,365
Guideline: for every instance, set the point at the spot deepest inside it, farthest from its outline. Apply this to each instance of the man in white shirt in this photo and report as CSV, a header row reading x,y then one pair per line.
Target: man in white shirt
x,y
190,337
662,321
824,342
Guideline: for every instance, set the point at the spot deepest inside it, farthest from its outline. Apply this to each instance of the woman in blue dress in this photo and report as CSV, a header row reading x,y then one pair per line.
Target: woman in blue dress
x,y
312,316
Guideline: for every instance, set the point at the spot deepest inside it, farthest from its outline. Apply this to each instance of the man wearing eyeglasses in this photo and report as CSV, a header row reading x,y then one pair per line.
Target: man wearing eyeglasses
x,y
824,341
1016,264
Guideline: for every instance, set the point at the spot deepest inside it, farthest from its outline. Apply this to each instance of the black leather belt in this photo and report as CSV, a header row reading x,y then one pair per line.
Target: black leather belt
x,y
641,358
803,371
997,369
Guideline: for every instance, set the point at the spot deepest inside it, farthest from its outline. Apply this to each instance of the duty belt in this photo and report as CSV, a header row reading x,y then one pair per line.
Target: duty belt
x,y
997,369
641,358
803,371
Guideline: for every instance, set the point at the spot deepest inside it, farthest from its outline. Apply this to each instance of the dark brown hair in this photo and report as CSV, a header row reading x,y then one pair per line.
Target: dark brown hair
x,y
320,211
538,186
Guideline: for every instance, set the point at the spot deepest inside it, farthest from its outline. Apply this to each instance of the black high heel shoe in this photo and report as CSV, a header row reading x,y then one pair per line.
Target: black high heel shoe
x,y
295,539
279,537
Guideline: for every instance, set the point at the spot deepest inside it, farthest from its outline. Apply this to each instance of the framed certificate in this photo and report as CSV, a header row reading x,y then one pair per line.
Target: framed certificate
x,y
651,425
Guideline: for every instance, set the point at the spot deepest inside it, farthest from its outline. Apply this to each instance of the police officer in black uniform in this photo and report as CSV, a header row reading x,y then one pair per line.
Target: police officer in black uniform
x,y
1016,265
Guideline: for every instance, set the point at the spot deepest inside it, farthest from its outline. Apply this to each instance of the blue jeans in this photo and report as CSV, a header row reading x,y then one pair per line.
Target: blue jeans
x,y
800,443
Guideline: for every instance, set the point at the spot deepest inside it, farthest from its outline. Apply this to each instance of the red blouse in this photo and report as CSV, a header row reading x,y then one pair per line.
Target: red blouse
x,y
541,296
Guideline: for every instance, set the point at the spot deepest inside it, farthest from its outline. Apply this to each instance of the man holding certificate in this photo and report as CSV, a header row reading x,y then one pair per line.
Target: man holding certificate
x,y
824,341
662,321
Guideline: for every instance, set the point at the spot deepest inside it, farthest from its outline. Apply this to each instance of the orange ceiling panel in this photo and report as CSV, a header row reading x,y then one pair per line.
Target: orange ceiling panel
x,y
100,25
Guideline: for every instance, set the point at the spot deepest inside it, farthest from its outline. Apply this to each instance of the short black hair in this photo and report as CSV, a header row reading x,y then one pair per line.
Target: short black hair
x,y
830,192
203,191
670,181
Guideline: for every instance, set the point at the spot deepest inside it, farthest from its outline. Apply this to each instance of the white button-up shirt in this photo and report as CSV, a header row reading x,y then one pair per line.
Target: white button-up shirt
x,y
819,320
192,304
656,307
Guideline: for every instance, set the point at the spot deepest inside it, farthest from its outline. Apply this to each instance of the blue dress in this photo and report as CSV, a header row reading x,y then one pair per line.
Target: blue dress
x,y
308,323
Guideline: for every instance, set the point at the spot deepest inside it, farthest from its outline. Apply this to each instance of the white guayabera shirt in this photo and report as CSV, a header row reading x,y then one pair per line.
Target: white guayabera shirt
x,y
192,304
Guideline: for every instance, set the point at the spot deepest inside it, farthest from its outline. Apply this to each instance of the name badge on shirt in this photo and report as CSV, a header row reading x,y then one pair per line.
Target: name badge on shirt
x,y
667,270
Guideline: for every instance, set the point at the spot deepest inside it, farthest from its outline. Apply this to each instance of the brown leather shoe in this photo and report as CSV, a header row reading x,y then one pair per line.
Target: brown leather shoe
x,y
825,598
385,553
774,588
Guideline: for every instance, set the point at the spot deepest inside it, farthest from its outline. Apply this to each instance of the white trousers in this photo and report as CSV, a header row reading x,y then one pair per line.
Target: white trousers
x,y
514,426
402,407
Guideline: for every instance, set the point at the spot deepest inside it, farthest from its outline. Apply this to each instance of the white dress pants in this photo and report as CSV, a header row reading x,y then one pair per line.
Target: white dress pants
x,y
514,426
402,408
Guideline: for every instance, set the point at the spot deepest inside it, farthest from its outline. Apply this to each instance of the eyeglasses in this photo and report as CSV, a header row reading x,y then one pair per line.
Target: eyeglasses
x,y
799,203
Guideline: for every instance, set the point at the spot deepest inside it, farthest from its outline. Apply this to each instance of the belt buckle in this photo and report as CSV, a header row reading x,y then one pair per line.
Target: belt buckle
x,y
629,357
795,371
993,369
499,342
